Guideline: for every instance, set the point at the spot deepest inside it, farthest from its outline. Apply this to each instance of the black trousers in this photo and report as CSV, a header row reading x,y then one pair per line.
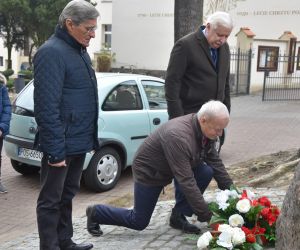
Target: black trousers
x,y
54,205
1,145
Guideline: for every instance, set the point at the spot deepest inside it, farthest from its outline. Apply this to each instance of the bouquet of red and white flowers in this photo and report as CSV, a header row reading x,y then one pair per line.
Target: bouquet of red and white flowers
x,y
240,221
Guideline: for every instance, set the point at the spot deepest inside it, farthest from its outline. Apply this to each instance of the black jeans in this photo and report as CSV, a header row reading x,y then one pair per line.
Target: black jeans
x,y
1,145
54,206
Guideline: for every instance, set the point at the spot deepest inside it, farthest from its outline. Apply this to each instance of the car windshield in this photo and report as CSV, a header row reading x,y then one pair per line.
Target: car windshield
x,y
25,98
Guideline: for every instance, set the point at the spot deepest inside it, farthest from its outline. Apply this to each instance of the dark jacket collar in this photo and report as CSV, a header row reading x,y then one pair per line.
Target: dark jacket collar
x,y
63,34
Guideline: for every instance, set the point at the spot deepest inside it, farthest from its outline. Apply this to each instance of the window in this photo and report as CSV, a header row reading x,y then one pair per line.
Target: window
x,y
125,96
107,36
298,59
1,60
155,92
267,59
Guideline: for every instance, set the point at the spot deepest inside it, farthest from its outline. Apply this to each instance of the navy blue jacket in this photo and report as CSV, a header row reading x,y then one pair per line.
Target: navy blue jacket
x,y
65,98
5,110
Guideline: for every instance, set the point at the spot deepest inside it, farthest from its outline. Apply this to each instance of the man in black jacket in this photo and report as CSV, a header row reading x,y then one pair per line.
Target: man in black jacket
x,y
198,71
66,111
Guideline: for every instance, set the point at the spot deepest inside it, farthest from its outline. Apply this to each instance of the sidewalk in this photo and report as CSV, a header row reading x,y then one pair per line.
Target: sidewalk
x,y
157,236
256,128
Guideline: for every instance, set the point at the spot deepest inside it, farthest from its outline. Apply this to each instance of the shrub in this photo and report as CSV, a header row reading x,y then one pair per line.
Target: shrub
x,y
7,73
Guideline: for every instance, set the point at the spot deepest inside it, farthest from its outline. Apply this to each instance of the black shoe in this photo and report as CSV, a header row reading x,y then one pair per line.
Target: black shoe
x,y
92,226
178,221
70,245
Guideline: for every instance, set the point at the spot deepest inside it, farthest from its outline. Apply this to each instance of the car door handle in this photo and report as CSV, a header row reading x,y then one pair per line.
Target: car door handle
x,y
156,121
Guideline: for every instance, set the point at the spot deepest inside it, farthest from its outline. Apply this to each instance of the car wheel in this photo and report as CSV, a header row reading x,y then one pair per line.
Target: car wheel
x,y
23,168
104,170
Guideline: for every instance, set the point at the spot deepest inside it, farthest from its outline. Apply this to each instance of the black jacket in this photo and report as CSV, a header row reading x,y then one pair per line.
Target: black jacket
x,y
192,78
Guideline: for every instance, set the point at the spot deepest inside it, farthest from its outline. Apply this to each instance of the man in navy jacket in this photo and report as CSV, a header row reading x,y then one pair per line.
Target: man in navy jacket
x,y
66,111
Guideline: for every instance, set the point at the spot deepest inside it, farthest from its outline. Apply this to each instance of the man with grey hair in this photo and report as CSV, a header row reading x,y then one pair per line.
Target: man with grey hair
x,y
66,112
198,71
175,149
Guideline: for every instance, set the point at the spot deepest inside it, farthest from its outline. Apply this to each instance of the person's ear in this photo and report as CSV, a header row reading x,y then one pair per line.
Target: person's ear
x,y
69,24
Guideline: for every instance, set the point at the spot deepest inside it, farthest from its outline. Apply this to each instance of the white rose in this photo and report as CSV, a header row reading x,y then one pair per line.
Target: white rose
x,y
236,220
238,236
243,206
224,240
224,228
203,241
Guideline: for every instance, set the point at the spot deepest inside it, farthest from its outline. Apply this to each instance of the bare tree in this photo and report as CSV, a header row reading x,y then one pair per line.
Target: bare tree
x,y
188,15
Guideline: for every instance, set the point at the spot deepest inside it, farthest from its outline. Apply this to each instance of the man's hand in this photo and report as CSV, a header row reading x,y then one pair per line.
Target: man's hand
x,y
205,217
59,164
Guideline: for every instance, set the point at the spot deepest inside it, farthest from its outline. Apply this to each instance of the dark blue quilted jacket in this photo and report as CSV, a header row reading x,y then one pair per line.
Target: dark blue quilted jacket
x,y
65,98
5,110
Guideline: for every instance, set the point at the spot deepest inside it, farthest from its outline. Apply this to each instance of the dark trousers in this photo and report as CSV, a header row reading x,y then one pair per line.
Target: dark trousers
x,y
54,206
138,218
203,175
1,145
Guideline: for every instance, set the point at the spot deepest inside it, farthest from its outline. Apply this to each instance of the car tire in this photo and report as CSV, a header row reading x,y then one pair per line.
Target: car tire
x,y
23,168
104,170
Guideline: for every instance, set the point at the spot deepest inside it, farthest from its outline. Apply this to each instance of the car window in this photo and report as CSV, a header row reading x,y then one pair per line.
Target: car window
x,y
25,98
155,92
125,96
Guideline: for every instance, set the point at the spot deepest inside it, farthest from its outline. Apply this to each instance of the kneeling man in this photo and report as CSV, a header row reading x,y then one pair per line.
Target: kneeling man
x,y
183,148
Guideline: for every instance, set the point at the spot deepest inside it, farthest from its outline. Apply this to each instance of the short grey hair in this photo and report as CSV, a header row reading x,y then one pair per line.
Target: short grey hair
x,y
220,18
212,109
78,11
3,79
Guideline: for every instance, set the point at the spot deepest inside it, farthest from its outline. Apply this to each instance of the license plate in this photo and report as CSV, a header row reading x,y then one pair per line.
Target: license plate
x,y
30,154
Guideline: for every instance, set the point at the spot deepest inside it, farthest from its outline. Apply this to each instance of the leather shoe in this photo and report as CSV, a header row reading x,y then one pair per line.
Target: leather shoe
x,y
178,221
92,226
70,245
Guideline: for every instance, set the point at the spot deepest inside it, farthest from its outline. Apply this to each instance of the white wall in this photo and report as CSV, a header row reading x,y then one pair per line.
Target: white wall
x,y
268,19
105,10
143,33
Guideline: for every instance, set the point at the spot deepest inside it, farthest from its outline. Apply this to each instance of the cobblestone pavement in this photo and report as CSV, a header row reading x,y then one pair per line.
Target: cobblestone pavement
x,y
157,236
256,128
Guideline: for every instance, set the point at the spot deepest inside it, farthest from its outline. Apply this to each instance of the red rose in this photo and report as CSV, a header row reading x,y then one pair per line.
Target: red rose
x,y
250,238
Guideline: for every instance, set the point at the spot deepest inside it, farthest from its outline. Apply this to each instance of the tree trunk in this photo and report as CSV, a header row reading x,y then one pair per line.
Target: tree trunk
x,y
9,62
188,15
288,223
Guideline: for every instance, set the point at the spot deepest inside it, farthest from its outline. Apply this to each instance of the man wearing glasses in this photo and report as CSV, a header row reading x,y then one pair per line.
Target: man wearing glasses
x,y
66,111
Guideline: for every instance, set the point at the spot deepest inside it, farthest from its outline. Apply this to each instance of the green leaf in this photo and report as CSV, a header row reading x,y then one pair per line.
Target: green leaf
x,y
216,219
256,246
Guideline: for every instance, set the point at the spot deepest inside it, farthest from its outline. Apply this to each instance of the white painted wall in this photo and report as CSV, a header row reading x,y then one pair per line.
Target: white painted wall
x,y
143,33
268,19
105,10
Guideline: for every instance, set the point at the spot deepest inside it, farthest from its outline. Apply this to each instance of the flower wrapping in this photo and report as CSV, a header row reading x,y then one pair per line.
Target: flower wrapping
x,y
240,221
